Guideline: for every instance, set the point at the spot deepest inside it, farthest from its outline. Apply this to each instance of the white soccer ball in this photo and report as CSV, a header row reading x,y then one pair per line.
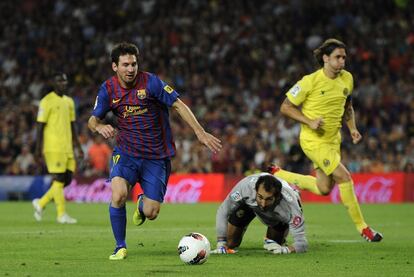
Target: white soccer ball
x,y
194,248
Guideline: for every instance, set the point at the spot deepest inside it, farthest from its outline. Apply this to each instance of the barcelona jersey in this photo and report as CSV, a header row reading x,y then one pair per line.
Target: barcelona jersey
x,y
142,113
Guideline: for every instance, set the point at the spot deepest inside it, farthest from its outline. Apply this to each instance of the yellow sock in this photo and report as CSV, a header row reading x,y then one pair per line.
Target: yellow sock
x,y
306,182
46,198
59,197
350,201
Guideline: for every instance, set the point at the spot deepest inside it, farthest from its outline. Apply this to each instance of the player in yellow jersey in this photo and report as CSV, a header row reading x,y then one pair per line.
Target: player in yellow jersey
x,y
319,102
56,134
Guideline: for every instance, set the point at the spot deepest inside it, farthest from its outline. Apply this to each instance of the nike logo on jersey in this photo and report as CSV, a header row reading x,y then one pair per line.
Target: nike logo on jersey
x,y
116,100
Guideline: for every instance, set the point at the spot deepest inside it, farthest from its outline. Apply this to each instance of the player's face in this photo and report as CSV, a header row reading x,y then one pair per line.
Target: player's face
x,y
265,199
335,62
126,69
61,83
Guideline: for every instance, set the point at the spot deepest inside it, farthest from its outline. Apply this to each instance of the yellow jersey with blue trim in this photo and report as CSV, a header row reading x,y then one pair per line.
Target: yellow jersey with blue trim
x,y
57,112
324,97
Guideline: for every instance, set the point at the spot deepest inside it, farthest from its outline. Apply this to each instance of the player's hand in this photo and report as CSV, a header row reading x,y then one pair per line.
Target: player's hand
x,y
356,136
272,169
274,247
213,143
223,250
316,124
106,130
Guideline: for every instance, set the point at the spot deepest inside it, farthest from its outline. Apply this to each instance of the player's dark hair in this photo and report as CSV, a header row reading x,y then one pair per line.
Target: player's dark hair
x,y
270,183
123,48
327,47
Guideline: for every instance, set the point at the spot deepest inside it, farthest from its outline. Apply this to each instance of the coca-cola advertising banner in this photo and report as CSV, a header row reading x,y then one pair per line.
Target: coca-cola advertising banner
x,y
369,188
191,188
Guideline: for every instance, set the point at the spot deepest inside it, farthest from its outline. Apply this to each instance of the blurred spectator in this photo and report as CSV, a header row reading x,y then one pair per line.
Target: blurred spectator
x,y
24,163
99,155
231,60
6,156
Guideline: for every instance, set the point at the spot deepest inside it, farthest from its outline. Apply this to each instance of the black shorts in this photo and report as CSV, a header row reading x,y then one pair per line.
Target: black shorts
x,y
242,216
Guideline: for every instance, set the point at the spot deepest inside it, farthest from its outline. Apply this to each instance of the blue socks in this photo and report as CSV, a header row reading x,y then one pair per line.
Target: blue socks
x,y
118,222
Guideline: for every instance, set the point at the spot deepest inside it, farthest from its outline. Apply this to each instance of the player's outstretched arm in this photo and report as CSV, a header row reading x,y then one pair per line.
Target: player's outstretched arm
x,y
95,125
213,143
349,116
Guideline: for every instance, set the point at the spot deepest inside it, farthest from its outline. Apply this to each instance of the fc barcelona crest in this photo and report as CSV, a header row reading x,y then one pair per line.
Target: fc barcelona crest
x,y
141,94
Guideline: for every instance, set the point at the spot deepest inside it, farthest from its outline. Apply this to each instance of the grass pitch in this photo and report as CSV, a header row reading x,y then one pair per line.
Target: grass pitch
x,y
30,248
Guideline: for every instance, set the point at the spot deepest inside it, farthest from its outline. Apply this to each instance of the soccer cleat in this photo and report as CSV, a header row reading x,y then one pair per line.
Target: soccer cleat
x,y
371,235
138,217
272,169
119,254
38,211
66,219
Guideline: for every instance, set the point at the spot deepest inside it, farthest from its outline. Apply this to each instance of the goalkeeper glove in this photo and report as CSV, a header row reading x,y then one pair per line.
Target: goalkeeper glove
x,y
222,248
274,247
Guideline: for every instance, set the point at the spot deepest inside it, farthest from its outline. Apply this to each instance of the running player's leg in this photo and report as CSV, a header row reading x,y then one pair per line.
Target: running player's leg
x,y
324,182
346,189
59,197
123,175
56,166
306,182
154,175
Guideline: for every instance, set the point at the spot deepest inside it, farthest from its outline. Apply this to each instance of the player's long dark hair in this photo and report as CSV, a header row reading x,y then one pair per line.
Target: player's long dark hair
x,y
123,48
270,183
327,47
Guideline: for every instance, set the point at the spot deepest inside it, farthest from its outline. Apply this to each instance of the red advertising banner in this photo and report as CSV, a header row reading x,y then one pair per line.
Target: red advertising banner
x,y
191,188
369,188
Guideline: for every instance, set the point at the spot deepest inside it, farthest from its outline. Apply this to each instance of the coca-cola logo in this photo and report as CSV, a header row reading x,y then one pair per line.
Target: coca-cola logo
x,y
187,190
374,190
98,191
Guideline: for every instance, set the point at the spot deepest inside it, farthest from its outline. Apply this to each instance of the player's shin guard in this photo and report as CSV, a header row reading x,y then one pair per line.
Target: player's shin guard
x,y
59,197
350,201
305,182
118,223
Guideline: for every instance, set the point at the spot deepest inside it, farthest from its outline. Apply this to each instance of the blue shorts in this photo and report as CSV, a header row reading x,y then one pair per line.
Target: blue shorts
x,y
151,174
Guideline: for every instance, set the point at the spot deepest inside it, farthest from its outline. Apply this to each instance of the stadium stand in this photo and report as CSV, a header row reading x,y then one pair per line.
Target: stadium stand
x,y
232,62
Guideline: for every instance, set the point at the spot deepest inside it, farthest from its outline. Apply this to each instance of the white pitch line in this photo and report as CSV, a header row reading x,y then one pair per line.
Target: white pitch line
x,y
345,241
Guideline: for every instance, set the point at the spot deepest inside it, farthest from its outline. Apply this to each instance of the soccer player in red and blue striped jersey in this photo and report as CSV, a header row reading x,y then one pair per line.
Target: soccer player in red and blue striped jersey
x,y
144,142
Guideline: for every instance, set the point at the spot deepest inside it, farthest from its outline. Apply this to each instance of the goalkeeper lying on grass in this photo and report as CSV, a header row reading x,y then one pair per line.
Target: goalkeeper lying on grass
x,y
277,206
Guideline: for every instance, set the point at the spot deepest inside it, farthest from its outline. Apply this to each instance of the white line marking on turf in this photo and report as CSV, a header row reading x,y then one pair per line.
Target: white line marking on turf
x,y
345,241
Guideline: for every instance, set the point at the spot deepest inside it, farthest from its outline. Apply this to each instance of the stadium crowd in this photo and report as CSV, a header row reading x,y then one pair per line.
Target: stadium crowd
x,y
231,61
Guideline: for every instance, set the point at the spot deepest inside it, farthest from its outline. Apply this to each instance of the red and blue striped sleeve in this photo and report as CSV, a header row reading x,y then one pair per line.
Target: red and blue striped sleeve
x,y
161,91
102,105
